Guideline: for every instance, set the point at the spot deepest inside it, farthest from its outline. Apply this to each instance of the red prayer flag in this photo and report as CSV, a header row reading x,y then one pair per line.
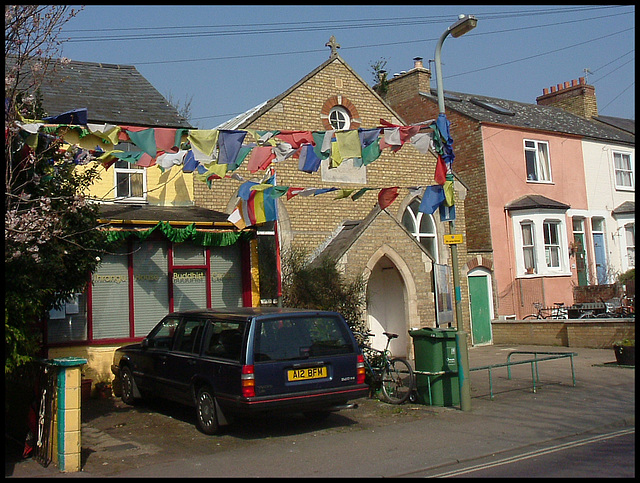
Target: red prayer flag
x,y
387,196
441,171
291,192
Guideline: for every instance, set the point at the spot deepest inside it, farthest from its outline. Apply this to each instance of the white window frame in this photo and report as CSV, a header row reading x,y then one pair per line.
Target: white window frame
x,y
538,220
128,169
551,243
339,115
128,172
624,176
415,230
528,246
629,245
542,167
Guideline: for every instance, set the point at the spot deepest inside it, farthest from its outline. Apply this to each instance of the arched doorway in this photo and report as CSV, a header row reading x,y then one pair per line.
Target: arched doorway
x,y
387,306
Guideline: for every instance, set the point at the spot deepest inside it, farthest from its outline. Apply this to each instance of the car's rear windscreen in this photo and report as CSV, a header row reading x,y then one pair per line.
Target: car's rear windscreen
x,y
289,338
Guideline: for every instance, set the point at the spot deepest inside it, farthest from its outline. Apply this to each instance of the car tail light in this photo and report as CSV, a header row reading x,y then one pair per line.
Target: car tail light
x,y
248,382
360,372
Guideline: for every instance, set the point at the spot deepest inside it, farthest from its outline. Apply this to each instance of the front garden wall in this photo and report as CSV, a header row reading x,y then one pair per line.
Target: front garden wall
x,y
593,333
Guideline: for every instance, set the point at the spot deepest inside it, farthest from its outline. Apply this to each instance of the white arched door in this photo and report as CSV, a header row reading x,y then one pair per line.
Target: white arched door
x,y
386,307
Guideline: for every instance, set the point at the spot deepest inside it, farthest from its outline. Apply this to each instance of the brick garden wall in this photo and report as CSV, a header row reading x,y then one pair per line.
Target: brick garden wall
x,y
594,333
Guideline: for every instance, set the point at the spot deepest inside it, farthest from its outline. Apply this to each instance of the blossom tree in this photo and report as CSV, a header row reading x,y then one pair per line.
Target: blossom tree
x,y
52,235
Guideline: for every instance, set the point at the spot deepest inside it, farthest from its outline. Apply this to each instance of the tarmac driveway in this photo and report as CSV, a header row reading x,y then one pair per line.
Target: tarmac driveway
x,y
117,437
153,437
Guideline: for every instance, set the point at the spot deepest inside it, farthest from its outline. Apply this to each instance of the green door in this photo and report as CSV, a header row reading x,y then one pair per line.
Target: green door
x,y
480,309
581,259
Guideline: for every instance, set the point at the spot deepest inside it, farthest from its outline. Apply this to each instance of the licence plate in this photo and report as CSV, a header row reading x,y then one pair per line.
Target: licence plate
x,y
307,373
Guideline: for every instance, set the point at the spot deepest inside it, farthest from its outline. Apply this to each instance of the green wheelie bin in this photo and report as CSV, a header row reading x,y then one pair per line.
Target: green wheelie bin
x,y
435,352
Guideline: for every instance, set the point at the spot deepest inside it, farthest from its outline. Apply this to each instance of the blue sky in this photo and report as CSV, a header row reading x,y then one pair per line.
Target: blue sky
x,y
227,59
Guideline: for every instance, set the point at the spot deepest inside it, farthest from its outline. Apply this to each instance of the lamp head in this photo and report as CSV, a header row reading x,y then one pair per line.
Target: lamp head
x,y
463,25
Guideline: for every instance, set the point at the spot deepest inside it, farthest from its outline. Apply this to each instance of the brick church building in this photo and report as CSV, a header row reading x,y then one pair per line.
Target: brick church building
x,y
397,249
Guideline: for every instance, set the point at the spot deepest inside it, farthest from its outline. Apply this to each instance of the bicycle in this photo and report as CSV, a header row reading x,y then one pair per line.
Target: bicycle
x,y
393,375
557,312
616,308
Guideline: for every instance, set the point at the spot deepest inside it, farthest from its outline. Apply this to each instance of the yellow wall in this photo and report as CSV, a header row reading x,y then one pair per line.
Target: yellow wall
x,y
99,360
171,188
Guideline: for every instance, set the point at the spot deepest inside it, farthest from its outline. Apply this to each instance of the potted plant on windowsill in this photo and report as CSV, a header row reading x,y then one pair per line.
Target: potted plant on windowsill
x,y
625,351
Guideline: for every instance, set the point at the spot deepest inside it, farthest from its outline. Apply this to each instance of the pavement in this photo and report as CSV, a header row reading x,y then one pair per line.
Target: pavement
x,y
161,440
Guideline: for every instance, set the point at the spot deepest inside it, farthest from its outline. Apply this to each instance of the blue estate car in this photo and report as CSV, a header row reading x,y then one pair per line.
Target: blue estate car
x,y
229,362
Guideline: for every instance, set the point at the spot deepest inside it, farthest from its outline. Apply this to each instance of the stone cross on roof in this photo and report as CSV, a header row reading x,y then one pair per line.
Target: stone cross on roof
x,y
334,46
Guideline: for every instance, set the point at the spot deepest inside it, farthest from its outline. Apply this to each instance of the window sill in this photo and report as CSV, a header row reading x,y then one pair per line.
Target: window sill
x,y
131,201
539,182
544,274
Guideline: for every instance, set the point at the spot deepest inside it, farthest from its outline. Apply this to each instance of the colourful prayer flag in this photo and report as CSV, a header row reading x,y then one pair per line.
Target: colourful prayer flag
x,y
229,144
145,140
432,198
309,162
448,193
440,176
343,194
387,196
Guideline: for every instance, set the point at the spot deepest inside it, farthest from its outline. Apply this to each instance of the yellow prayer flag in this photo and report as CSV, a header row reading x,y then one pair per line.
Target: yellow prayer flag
x,y
260,187
336,158
448,193
349,144
343,194
205,140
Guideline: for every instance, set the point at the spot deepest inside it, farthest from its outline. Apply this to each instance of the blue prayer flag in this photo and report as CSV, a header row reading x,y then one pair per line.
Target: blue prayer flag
x,y
432,198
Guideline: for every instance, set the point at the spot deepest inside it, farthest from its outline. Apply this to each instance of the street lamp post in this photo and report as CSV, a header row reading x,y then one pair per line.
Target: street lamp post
x,y
461,27
464,24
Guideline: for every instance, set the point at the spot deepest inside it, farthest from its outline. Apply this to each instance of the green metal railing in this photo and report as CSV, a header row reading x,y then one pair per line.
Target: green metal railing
x,y
546,356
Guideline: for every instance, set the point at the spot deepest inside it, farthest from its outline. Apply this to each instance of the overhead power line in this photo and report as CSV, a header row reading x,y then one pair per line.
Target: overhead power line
x,y
249,27
172,32
521,59
384,44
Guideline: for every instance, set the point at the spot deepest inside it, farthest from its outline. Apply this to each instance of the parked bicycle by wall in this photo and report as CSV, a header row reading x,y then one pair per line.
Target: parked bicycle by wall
x,y
392,375
617,308
557,312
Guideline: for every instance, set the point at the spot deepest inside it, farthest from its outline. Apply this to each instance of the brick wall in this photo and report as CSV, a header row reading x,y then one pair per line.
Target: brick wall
x,y
594,333
467,146
314,218
385,234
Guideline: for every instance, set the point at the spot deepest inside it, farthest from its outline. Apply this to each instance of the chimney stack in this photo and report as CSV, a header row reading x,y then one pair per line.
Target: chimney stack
x,y
405,85
575,96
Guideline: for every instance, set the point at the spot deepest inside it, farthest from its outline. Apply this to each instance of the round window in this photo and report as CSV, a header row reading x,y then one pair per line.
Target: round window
x,y
339,118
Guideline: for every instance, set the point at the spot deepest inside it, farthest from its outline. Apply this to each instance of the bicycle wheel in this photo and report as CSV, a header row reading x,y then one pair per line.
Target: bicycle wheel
x,y
397,381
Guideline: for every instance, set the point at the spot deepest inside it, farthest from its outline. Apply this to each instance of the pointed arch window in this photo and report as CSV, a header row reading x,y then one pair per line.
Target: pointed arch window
x,y
422,226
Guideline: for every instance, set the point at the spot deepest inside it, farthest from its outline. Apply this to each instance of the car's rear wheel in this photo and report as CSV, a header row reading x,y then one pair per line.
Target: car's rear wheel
x,y
127,385
206,417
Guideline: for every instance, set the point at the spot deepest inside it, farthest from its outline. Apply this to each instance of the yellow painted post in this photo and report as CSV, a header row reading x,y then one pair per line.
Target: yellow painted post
x,y
67,417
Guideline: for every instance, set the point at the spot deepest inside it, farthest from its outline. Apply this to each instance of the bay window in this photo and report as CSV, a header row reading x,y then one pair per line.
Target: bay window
x,y
541,246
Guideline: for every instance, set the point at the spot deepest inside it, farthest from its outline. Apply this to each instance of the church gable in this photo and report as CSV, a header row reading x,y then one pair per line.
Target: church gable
x,y
307,104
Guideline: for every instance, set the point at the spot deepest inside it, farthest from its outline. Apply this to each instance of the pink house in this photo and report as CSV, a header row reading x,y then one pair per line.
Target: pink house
x,y
530,222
